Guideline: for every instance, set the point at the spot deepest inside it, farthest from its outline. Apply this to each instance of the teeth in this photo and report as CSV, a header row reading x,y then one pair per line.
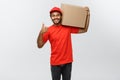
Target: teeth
x,y
55,20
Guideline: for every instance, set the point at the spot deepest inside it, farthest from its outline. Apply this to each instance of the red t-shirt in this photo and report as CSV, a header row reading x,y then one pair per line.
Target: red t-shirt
x,y
61,46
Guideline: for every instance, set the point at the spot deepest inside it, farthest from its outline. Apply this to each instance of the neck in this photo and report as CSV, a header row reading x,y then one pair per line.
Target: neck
x,y
57,24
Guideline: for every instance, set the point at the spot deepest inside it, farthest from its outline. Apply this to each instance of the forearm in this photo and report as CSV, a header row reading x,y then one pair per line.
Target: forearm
x,y
87,22
83,30
40,42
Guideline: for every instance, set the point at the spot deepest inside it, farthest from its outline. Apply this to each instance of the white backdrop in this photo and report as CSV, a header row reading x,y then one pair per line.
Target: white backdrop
x,y
96,53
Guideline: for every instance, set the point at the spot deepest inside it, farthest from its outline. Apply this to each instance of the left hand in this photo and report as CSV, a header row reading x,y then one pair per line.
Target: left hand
x,y
86,8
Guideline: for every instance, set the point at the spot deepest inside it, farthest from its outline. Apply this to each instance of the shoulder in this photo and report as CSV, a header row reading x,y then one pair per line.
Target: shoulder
x,y
65,26
69,27
50,28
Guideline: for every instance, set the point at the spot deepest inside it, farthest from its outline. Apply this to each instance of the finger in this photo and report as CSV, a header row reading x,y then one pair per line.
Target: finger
x,y
86,8
42,25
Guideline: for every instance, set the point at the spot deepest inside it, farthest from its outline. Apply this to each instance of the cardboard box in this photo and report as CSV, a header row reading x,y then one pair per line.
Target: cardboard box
x,y
74,16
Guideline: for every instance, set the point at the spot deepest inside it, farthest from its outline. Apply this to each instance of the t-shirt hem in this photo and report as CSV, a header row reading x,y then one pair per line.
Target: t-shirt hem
x,y
61,63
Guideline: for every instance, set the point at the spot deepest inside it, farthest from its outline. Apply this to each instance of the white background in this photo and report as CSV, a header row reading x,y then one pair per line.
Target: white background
x,y
96,53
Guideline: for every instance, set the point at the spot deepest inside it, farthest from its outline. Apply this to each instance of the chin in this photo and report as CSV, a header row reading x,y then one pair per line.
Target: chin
x,y
57,23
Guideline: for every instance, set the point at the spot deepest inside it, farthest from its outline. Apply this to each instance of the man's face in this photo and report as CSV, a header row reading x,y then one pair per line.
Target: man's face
x,y
56,18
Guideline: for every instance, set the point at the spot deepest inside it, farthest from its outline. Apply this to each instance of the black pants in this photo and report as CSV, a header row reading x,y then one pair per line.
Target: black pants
x,y
61,70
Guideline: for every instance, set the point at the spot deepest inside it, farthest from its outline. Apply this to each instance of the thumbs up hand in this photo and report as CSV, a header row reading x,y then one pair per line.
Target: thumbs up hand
x,y
43,29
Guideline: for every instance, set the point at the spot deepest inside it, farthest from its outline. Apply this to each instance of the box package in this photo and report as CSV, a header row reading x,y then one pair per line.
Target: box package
x,y
74,16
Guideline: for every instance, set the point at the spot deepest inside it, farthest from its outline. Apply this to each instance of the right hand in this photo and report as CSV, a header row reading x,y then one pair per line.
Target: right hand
x,y
43,29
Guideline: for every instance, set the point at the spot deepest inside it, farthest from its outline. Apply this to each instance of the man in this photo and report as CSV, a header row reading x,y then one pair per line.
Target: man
x,y
59,37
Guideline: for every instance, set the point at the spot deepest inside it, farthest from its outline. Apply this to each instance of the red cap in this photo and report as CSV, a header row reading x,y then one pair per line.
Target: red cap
x,y
55,9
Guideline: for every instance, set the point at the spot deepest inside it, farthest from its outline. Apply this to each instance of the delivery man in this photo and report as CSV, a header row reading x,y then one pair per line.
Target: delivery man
x,y
59,37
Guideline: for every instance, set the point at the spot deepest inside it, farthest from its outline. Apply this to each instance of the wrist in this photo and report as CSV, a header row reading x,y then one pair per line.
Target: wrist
x,y
41,32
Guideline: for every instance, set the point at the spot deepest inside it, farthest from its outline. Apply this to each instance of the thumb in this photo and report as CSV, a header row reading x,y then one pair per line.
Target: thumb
x,y
43,25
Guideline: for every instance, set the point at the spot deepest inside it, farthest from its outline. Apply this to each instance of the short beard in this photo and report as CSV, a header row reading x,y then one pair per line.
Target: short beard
x,y
60,21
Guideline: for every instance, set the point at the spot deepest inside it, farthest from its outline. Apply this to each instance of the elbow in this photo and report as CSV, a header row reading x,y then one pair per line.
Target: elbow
x,y
85,31
39,45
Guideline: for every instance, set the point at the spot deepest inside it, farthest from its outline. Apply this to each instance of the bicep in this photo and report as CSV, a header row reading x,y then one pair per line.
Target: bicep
x,y
74,30
45,37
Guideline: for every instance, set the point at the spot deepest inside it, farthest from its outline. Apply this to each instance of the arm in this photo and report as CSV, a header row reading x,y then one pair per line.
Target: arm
x,y
83,30
40,42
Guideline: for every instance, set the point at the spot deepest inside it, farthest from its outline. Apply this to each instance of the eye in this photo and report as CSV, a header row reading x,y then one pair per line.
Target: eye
x,y
58,15
52,15
55,14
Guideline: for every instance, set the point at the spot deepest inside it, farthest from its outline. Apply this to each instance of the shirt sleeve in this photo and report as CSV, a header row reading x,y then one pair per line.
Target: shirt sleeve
x,y
45,37
74,30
